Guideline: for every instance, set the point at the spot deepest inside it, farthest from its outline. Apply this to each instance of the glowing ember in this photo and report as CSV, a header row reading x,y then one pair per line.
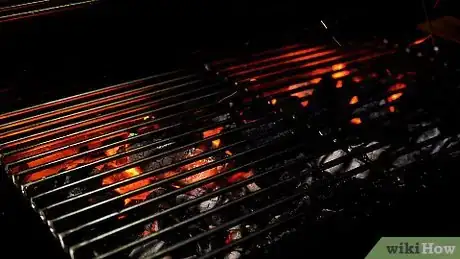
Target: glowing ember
x,y
129,187
303,93
356,121
316,80
394,97
341,74
196,177
212,132
152,229
253,80
420,41
338,67
354,100
112,151
357,79
228,152
339,84
396,87
391,109
273,101
304,103
216,143
240,176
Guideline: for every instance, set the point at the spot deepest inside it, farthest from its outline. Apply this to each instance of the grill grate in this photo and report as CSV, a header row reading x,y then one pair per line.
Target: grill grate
x,y
182,165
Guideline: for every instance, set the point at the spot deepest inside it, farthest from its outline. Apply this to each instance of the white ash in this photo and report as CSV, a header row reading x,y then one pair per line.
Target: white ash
x,y
209,204
406,159
233,255
253,187
330,157
353,164
235,233
375,154
431,133
221,118
190,195
147,250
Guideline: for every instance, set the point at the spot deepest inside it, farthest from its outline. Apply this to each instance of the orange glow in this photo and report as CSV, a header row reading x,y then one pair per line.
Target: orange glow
x,y
304,103
216,143
339,84
252,80
341,74
394,97
273,101
357,79
112,151
316,80
228,152
420,41
356,121
135,171
212,132
303,93
354,100
391,109
338,67
196,177
240,176
396,87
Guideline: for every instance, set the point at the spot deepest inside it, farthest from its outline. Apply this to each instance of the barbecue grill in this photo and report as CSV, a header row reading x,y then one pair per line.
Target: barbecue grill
x,y
258,151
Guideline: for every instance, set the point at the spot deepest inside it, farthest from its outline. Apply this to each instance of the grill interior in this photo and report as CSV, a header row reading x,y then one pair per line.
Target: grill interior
x,y
230,160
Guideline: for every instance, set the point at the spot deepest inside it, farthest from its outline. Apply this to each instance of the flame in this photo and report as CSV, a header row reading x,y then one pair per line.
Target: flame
x,y
339,84
394,97
354,100
391,109
356,121
396,87
338,67
304,103
341,74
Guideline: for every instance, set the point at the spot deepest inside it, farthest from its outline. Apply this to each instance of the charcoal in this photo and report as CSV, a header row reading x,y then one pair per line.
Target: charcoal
x,y
253,187
209,204
141,154
147,250
221,118
233,255
330,157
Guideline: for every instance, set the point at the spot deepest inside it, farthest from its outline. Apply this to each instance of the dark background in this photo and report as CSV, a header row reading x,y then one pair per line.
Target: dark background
x,y
44,58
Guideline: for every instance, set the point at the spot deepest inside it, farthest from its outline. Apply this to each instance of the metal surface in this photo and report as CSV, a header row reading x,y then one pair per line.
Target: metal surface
x,y
293,126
